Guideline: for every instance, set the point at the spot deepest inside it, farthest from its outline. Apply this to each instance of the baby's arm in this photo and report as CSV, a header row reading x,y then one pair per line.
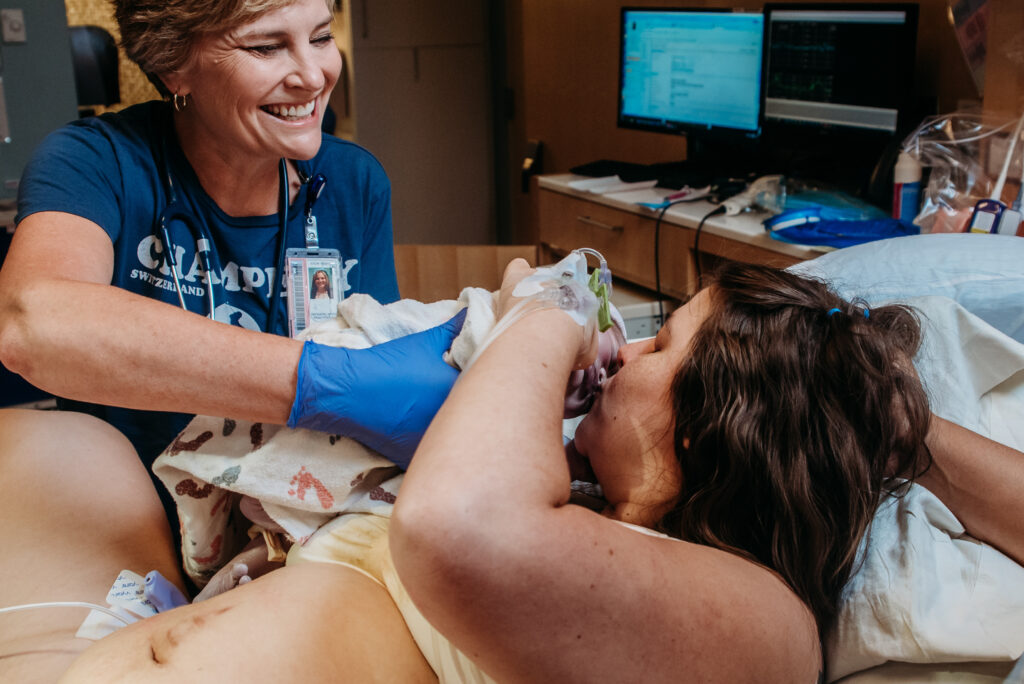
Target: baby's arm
x,y
981,481
250,563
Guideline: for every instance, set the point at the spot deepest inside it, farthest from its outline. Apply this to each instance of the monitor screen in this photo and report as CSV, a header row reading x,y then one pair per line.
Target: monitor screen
x,y
683,70
848,65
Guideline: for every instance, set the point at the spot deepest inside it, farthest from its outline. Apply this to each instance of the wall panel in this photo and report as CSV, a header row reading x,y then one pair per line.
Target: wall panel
x,y
570,67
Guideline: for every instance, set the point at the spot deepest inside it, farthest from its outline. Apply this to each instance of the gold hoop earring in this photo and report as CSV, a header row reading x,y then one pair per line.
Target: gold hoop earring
x,y
179,101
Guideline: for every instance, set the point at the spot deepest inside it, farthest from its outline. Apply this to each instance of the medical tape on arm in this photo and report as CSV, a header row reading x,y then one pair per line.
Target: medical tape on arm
x,y
541,291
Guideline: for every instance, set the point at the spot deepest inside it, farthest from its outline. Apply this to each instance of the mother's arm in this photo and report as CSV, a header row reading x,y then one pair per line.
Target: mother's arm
x,y
981,481
68,331
534,589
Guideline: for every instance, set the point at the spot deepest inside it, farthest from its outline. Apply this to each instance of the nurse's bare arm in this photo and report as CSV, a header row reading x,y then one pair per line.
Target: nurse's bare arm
x,y
981,481
67,331
534,589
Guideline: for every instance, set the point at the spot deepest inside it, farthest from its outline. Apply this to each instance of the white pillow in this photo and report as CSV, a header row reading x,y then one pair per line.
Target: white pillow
x,y
983,273
926,591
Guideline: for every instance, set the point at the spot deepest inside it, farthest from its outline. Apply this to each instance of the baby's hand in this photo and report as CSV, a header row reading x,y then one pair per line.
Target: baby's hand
x,y
250,563
227,578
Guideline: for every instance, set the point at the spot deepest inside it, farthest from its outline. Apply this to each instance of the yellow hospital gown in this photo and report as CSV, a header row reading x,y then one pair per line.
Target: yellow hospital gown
x,y
360,541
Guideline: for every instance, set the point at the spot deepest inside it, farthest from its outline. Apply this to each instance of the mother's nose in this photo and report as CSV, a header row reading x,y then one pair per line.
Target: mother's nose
x,y
628,352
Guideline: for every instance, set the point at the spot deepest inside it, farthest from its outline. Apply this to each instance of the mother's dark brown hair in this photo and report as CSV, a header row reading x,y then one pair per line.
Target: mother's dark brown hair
x,y
790,419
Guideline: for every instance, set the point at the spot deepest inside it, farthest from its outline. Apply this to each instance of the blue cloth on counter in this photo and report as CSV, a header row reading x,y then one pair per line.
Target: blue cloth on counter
x,y
828,218
841,233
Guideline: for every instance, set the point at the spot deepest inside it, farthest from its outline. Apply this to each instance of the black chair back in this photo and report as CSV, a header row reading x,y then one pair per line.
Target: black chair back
x,y
94,54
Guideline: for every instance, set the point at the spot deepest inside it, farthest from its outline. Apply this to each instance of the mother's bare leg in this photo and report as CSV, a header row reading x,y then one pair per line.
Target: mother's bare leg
x,y
77,506
311,622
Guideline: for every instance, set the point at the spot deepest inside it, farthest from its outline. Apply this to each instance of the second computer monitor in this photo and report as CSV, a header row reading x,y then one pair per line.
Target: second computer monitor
x,y
845,65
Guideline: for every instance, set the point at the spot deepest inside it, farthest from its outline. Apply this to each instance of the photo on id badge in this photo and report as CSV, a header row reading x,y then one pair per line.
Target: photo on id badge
x,y
315,289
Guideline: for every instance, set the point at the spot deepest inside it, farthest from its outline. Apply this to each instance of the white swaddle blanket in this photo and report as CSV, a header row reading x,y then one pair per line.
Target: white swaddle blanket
x,y
302,478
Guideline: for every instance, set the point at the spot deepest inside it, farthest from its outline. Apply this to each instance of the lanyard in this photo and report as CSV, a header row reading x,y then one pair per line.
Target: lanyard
x,y
316,186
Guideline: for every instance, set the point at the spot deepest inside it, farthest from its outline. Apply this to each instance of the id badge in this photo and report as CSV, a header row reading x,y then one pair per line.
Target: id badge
x,y
314,287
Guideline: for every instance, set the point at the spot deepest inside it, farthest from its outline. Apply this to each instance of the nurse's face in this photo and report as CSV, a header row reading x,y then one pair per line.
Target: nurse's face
x,y
628,434
261,89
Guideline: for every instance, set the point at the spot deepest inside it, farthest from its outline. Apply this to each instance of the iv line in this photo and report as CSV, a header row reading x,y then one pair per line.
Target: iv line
x,y
66,604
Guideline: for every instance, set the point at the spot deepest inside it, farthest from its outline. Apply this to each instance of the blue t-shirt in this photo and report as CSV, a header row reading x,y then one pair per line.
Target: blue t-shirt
x,y
111,170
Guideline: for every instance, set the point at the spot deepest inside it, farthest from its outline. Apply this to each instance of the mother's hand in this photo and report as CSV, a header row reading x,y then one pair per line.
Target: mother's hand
x,y
525,289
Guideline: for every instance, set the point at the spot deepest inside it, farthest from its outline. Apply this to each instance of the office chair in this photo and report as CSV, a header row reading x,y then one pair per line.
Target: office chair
x,y
94,55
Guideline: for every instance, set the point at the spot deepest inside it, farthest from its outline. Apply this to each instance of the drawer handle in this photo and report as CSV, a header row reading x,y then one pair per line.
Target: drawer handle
x,y
597,224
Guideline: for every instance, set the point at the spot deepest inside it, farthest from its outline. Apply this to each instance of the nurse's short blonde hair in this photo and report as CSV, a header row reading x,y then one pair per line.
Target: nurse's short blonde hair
x,y
160,35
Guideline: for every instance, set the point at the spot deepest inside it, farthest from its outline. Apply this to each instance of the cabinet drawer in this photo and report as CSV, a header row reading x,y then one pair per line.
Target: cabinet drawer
x,y
625,239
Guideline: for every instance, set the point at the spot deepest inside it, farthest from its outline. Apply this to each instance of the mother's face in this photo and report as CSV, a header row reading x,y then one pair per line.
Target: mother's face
x,y
261,89
628,434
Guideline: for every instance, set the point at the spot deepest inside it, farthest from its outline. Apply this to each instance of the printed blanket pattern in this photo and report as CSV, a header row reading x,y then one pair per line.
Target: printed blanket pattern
x,y
301,478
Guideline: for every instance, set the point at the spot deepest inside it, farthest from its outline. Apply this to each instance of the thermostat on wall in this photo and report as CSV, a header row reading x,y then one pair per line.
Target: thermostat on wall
x,y
13,23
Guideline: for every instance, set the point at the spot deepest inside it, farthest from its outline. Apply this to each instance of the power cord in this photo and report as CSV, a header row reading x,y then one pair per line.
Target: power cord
x,y
696,240
657,259
657,250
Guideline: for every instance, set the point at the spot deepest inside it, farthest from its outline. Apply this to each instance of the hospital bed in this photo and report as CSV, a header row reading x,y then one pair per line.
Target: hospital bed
x,y
927,602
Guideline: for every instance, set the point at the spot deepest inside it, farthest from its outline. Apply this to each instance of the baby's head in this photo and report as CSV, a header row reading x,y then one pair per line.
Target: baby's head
x,y
584,384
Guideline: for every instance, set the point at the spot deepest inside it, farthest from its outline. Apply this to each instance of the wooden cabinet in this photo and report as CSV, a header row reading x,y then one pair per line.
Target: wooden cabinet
x,y
627,235
625,239
422,103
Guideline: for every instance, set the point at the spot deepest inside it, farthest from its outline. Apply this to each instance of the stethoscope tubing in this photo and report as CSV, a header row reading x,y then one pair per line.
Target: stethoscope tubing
x,y
203,246
174,211
282,242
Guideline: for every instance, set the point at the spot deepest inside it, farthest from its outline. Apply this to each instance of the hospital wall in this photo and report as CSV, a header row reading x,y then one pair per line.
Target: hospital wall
x,y
570,64
560,65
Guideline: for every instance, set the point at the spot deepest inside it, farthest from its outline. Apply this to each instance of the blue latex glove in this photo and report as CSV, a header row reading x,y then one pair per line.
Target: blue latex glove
x,y
384,396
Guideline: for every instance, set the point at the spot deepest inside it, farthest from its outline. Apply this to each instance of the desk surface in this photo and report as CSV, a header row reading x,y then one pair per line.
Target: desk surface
x,y
746,227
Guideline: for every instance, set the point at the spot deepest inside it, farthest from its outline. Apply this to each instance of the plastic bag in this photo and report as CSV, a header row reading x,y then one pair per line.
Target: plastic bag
x,y
961,150
808,214
782,195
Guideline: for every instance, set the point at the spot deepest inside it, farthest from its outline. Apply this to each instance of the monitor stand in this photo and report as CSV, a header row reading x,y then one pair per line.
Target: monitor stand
x,y
710,161
676,175
626,171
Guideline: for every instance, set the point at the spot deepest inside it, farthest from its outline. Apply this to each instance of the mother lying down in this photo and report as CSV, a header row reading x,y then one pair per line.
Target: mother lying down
x,y
741,453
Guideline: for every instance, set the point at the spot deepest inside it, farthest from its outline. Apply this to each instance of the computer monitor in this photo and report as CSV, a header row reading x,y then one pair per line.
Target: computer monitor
x,y
845,65
691,71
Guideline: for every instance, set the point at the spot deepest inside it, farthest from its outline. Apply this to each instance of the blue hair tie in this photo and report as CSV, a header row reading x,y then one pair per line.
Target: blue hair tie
x,y
834,311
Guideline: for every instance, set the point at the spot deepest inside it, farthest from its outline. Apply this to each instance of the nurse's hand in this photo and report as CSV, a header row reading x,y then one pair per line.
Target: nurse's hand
x,y
384,396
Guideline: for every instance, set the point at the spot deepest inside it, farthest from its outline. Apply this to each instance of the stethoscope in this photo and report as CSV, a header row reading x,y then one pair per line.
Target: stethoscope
x,y
176,211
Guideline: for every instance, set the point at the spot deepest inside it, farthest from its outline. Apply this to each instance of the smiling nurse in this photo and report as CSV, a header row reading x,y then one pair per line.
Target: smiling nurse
x,y
93,289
